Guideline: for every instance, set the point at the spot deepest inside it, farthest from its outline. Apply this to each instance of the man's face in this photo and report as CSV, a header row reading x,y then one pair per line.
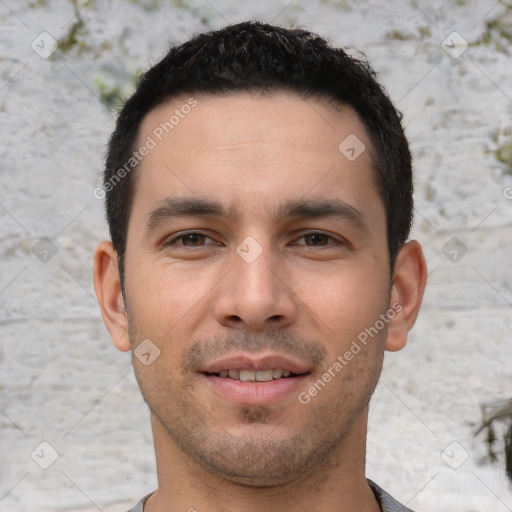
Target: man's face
x,y
254,243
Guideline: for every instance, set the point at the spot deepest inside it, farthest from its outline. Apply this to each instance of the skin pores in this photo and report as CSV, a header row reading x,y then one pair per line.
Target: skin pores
x,y
318,281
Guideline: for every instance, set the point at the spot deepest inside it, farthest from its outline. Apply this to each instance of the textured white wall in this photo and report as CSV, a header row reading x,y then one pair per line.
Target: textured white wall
x,y
61,380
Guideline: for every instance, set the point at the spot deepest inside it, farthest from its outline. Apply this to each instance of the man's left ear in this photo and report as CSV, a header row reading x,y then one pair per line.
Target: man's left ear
x,y
409,280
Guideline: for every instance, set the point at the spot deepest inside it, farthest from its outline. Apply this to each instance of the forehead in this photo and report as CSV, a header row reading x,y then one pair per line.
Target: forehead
x,y
261,147
276,118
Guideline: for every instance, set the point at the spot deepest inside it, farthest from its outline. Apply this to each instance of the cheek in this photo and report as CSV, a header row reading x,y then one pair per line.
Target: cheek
x,y
344,301
164,295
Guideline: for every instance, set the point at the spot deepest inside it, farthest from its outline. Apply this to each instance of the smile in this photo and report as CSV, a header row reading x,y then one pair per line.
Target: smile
x,y
255,376
255,387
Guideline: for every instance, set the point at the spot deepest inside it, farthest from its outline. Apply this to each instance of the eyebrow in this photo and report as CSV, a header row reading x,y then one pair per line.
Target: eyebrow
x,y
173,207
183,207
314,209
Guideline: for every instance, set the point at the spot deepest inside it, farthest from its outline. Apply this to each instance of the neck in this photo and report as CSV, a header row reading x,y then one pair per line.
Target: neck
x,y
339,485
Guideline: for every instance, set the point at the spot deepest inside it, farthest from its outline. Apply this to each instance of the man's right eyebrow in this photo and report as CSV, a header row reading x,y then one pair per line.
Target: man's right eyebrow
x,y
173,207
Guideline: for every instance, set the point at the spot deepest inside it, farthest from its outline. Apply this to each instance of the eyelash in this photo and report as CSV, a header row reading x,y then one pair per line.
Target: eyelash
x,y
181,237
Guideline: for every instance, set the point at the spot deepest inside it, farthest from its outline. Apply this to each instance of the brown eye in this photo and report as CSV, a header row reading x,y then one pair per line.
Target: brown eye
x,y
316,239
192,239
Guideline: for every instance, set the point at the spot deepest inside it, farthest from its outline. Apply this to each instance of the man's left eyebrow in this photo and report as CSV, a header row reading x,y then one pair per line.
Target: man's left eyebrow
x,y
315,209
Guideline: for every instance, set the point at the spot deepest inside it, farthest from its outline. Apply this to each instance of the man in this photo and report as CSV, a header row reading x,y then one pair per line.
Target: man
x,y
259,197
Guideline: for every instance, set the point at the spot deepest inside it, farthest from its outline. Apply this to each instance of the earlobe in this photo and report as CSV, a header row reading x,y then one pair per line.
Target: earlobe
x,y
409,280
107,285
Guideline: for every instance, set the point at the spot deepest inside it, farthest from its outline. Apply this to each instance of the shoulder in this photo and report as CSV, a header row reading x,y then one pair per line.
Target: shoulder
x,y
386,501
140,506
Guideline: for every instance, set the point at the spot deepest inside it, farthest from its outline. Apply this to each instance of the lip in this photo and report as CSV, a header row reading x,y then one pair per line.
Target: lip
x,y
256,363
255,393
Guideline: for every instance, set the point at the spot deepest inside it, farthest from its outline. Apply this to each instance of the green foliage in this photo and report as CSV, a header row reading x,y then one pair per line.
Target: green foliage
x,y
74,37
77,31
115,86
148,5
424,32
397,35
498,31
492,412
504,155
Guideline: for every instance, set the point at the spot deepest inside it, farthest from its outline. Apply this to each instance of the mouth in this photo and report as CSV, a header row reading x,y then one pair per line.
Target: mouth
x,y
255,375
252,380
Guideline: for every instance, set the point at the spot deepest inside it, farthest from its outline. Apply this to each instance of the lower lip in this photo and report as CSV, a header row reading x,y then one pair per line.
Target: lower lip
x,y
255,393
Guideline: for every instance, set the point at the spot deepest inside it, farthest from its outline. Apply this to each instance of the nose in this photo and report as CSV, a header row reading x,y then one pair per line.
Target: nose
x,y
255,294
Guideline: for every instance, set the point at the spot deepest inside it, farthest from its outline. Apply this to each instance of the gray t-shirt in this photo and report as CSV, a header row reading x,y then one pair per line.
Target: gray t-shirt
x,y
386,501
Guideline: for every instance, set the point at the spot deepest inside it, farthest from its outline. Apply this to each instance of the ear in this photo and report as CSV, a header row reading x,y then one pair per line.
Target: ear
x,y
107,285
409,280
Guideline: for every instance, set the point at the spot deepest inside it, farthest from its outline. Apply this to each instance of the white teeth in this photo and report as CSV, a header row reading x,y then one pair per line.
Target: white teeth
x,y
246,375
251,375
264,375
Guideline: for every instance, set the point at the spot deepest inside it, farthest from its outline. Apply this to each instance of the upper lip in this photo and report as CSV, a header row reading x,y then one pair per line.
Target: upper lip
x,y
255,363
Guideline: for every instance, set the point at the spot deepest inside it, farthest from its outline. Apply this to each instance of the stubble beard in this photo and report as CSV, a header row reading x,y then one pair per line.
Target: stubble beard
x,y
262,455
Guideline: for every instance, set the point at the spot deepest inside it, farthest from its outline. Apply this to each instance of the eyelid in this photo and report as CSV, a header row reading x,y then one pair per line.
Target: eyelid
x,y
336,238
172,239
332,239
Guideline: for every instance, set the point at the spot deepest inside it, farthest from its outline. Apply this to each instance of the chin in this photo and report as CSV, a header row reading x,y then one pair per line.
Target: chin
x,y
253,479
